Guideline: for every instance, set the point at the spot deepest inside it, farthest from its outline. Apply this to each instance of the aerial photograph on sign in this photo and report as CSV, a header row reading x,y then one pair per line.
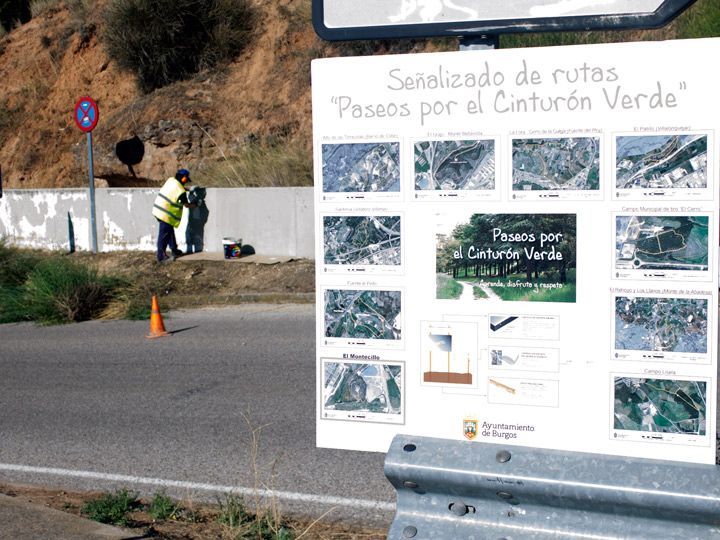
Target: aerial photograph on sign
x,y
455,165
506,257
362,391
363,314
556,164
662,162
362,240
662,242
361,167
661,324
660,405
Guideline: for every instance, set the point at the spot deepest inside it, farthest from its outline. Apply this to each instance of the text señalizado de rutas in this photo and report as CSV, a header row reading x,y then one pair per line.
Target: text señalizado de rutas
x,y
583,88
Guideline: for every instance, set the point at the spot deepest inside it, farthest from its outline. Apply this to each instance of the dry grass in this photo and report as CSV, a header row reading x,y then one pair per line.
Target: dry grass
x,y
261,165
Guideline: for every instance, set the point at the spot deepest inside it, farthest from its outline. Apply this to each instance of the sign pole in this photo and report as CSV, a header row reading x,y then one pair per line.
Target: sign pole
x,y
86,116
483,42
93,226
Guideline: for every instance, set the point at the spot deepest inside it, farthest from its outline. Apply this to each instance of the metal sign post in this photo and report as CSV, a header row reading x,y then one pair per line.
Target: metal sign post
x,y
86,118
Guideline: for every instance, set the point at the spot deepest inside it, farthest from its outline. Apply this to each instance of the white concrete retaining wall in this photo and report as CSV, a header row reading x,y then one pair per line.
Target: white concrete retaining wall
x,y
274,221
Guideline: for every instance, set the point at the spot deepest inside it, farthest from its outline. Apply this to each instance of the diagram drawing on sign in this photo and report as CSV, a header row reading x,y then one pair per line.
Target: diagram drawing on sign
x,y
449,353
509,358
517,391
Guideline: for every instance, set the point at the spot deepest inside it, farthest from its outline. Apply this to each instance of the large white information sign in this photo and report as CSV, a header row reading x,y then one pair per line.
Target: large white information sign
x,y
520,246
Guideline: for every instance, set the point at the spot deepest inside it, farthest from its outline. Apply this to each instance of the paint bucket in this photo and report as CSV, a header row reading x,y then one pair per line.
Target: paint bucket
x,y
232,247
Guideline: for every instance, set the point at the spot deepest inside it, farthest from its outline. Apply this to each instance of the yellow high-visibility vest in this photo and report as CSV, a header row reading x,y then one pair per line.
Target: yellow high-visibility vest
x,y
167,207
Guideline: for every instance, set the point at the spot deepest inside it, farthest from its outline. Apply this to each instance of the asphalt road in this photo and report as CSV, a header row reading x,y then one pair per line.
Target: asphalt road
x,y
98,406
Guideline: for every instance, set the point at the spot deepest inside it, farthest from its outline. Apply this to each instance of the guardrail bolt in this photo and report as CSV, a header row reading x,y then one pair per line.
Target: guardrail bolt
x,y
410,532
504,495
503,456
410,485
459,509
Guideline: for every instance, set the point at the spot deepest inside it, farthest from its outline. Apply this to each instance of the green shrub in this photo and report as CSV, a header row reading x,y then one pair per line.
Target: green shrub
x,y
112,507
163,41
263,525
12,304
15,264
232,511
162,507
61,290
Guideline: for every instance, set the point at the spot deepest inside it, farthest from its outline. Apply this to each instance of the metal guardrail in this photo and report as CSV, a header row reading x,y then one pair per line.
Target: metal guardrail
x,y
458,489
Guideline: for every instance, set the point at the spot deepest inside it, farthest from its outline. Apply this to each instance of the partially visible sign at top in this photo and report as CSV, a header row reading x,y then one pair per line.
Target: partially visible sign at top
x,y
86,114
381,19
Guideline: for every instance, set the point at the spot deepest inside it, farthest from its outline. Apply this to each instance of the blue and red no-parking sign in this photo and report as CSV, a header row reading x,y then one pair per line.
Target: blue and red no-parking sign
x,y
86,117
87,114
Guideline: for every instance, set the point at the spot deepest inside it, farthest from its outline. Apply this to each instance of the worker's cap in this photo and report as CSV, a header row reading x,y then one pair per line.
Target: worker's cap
x,y
183,173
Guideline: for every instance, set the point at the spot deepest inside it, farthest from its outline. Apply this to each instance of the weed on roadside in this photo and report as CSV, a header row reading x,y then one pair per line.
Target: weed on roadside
x,y
132,302
240,523
50,289
196,520
112,508
162,507
232,510
15,266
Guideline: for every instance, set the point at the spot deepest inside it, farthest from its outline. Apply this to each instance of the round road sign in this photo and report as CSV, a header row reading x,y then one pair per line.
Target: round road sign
x,y
86,114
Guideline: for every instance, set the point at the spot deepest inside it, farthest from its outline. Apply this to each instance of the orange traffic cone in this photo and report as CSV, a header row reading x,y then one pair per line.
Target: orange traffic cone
x,y
157,328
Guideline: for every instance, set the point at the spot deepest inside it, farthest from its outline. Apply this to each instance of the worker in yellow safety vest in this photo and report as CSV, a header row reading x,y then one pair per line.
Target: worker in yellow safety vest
x,y
168,210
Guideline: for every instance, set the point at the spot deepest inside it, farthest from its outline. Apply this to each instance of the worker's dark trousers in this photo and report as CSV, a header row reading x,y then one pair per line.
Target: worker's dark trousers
x,y
166,238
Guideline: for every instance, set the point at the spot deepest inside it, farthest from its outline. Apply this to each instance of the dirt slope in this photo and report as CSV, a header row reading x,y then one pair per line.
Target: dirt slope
x,y
48,63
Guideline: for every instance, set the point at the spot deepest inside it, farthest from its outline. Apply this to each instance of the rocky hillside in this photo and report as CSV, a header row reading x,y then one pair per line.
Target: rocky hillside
x,y
260,99
51,61
46,64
